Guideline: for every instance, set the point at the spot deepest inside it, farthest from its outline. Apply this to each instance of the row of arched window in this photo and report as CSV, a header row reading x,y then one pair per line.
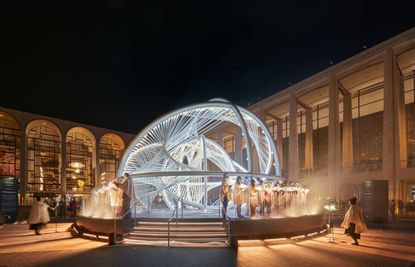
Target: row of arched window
x,y
44,153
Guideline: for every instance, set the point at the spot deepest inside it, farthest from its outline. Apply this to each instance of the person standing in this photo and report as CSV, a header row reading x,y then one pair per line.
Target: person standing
x,y
400,207
225,197
238,196
392,207
353,221
261,197
38,215
72,206
253,198
62,208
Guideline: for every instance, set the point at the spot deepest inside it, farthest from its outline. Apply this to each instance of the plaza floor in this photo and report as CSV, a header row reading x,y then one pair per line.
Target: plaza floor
x,y
56,247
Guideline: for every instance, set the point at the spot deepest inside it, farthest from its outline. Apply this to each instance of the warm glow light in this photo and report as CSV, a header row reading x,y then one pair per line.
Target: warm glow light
x,y
77,165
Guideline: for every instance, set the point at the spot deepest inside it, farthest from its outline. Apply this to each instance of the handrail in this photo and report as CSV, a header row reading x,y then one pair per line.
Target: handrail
x,y
123,215
168,222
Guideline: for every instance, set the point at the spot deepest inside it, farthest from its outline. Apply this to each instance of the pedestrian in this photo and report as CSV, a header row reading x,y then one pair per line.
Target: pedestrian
x,y
62,208
392,207
72,206
253,198
225,197
239,196
400,207
39,215
353,221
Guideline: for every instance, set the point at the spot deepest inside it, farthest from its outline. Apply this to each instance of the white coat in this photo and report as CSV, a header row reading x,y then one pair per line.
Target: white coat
x,y
354,215
38,213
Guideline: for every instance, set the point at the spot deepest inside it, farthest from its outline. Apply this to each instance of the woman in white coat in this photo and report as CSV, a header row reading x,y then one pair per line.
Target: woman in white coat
x,y
354,222
39,215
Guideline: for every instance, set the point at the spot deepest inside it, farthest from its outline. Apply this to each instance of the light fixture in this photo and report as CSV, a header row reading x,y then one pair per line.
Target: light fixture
x,y
77,170
77,165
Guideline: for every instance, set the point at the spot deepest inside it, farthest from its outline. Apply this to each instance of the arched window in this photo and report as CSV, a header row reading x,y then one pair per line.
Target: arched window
x,y
80,161
43,157
9,146
111,148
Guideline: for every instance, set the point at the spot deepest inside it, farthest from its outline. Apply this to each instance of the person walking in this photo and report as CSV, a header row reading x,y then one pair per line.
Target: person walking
x,y
353,221
39,215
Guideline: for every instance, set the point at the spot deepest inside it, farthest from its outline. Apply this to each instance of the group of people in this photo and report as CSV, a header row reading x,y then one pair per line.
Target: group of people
x,y
70,205
267,197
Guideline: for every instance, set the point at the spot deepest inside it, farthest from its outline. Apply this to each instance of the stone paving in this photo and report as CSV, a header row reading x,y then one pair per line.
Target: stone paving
x,y
56,247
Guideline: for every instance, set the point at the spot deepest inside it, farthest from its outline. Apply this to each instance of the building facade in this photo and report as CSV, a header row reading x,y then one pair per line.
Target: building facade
x,y
352,122
49,156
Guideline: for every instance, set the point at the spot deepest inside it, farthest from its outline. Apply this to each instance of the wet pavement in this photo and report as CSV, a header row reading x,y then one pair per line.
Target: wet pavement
x,y
56,247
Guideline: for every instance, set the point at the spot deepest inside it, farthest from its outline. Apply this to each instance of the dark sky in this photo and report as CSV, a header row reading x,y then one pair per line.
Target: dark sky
x,y
121,64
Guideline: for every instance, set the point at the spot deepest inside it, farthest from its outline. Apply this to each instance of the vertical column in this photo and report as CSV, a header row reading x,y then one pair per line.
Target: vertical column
x,y
279,141
309,163
388,155
220,136
64,163
293,146
334,135
97,166
23,164
238,146
401,136
347,144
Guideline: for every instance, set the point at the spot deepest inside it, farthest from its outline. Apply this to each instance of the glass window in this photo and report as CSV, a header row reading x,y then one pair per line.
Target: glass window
x,y
367,113
9,146
43,157
111,148
320,138
410,117
80,160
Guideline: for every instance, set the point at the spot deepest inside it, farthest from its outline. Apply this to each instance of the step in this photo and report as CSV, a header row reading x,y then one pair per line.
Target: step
x,y
175,235
180,223
181,239
174,243
180,228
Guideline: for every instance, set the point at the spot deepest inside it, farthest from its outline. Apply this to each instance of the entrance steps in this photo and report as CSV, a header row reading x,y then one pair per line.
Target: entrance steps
x,y
182,233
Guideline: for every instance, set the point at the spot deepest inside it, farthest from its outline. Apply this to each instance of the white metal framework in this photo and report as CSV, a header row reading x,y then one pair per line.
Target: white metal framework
x,y
173,156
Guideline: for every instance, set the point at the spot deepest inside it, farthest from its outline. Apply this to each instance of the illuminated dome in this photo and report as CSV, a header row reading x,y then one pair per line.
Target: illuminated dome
x,y
174,157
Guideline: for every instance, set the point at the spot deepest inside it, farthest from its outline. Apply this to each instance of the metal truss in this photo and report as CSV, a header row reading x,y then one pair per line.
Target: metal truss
x,y
174,157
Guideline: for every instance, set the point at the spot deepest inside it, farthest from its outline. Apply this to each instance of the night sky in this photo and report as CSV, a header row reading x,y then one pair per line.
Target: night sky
x,y
121,64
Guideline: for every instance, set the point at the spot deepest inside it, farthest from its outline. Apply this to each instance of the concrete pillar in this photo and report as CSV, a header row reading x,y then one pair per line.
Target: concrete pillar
x,y
347,144
23,164
334,136
97,166
238,146
63,163
388,155
279,141
400,116
293,146
309,163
